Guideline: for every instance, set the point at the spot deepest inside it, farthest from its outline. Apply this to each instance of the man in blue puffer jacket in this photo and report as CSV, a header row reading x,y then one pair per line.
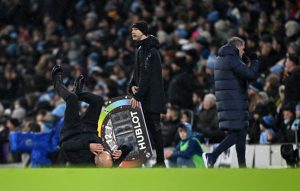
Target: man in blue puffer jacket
x,y
231,80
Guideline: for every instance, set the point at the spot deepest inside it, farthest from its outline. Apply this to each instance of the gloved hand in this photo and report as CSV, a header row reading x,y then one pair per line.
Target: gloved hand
x,y
245,59
253,56
56,74
78,85
56,70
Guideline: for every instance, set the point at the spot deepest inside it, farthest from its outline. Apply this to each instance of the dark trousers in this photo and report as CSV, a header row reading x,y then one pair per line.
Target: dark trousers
x,y
90,117
237,138
72,119
73,123
154,129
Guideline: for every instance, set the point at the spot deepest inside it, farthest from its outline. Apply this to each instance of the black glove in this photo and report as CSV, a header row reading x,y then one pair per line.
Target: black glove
x,y
245,59
78,85
253,56
56,70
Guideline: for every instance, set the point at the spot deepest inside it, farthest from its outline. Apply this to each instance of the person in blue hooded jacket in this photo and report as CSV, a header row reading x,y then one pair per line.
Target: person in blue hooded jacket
x,y
231,78
188,151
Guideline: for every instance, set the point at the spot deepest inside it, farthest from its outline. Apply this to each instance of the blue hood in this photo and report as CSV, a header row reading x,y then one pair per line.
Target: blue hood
x,y
188,129
228,49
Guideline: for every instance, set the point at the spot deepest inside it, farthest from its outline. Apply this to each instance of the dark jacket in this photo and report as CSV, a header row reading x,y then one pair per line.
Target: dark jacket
x,y
147,76
189,148
193,148
169,131
231,76
180,90
292,88
77,130
207,126
76,150
207,119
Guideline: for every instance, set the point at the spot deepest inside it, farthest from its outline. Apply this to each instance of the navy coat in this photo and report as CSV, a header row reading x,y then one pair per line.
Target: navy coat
x,y
231,76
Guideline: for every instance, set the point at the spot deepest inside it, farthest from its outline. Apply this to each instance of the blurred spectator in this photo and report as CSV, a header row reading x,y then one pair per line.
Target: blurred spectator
x,y
280,100
118,75
19,111
170,124
31,126
295,125
182,85
254,127
187,116
167,76
292,30
292,88
188,151
3,141
41,120
267,134
286,134
210,65
278,69
207,121
267,54
197,100
271,86
58,112
253,93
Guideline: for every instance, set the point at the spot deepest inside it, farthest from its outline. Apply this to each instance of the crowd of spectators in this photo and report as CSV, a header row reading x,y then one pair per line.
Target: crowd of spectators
x,y
93,38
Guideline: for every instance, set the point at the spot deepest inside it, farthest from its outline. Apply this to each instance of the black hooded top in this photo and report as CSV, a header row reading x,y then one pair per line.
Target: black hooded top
x,y
147,76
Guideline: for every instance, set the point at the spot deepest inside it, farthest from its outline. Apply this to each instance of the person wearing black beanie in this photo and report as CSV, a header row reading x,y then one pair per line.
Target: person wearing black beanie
x,y
142,26
146,84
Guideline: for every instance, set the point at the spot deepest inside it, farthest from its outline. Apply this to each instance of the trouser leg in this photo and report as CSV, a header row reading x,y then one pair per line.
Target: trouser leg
x,y
224,145
240,147
61,158
154,128
72,112
71,99
60,88
92,113
183,162
235,137
71,116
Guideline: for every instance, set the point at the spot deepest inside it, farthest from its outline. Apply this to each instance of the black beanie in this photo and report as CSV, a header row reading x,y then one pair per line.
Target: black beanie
x,y
142,26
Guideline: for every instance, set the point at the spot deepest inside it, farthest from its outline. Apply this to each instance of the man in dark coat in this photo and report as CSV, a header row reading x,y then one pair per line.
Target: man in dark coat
x,y
207,121
292,88
146,84
79,143
180,90
231,76
170,124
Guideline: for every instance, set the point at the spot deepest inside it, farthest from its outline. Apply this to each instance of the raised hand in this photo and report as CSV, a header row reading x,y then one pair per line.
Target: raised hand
x,y
134,89
96,148
116,154
134,103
